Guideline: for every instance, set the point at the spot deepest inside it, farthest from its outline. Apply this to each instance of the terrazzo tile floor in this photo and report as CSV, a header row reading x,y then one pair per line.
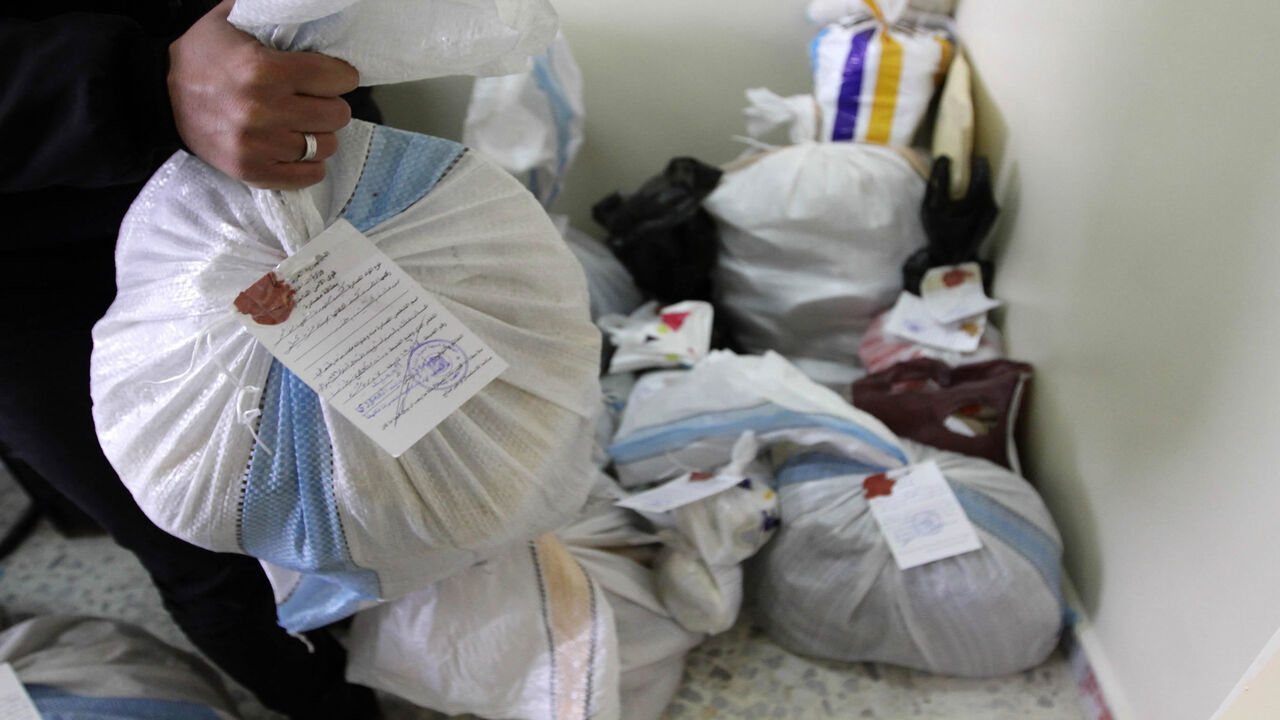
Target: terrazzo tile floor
x,y
738,674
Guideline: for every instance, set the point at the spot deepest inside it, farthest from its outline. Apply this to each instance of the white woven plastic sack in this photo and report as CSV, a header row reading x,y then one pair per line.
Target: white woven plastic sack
x,y
700,573
390,41
526,635
530,123
180,388
812,241
681,420
767,110
651,643
613,292
874,74
94,669
565,627
827,585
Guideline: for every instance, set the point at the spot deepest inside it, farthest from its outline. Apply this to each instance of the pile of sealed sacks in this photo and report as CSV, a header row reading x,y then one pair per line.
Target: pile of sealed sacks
x,y
554,547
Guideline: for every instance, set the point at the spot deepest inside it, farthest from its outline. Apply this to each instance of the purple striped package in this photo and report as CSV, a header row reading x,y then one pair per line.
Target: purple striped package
x,y
875,75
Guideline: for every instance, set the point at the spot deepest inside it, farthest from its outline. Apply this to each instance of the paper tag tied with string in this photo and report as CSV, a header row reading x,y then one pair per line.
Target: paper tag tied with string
x,y
684,490
919,515
381,349
952,293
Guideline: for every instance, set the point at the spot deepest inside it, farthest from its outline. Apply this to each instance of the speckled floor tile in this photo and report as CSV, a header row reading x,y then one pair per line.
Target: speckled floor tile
x,y
738,674
742,674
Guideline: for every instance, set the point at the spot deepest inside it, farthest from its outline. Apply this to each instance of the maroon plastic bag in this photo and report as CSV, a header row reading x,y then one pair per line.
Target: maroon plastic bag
x,y
969,409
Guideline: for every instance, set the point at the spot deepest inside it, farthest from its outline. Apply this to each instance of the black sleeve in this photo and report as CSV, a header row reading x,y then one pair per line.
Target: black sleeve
x,y
83,102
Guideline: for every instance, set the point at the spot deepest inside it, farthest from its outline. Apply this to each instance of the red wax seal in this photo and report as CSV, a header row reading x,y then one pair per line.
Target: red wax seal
x,y
956,277
675,320
269,301
877,485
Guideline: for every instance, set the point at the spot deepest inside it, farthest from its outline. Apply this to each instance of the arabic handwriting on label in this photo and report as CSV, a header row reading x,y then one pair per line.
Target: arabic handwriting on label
x,y
919,515
373,342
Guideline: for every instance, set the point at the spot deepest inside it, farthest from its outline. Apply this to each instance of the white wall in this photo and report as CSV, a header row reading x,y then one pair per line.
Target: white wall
x,y
1139,147
1140,144
661,78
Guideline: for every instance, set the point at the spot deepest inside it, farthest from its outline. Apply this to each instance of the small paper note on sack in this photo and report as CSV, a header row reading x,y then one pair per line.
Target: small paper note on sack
x,y
919,515
952,293
15,703
910,319
686,489
352,325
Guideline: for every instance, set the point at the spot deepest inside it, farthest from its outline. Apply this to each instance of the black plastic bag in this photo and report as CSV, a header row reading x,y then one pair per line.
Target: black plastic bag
x,y
955,227
662,235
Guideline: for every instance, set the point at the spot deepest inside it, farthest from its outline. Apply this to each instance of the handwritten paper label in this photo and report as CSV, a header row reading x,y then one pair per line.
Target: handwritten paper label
x,y
920,516
15,703
909,319
686,489
954,292
373,342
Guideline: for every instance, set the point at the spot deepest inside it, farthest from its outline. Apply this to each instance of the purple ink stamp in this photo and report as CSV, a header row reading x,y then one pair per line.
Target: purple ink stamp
x,y
437,365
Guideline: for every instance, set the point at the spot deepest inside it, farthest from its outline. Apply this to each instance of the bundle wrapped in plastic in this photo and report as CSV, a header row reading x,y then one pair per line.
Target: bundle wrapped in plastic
x,y
651,643
570,613
811,240
679,420
875,72
390,41
531,122
827,585
224,447
82,667
613,292
700,572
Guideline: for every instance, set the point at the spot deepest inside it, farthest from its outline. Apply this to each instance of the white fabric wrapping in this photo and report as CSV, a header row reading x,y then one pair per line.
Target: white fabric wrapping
x,y
827,585
613,292
676,421
173,373
390,41
530,123
124,667
700,572
565,627
526,635
766,110
812,241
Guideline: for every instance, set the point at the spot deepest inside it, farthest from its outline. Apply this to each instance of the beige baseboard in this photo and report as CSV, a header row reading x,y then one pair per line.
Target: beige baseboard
x,y
1100,691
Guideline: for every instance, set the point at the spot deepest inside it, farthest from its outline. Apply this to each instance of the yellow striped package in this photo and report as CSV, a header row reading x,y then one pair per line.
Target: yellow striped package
x,y
874,75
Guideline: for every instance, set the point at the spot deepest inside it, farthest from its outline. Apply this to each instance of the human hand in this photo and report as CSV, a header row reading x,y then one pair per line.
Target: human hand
x,y
243,107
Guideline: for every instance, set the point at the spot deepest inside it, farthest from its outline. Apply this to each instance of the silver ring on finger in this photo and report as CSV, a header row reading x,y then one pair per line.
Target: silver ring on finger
x,y
310,153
